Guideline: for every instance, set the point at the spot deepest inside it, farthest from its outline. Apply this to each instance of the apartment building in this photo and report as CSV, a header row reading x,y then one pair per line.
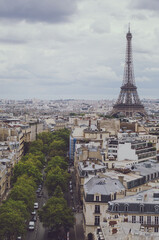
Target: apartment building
x,y
97,193
130,148
85,171
141,208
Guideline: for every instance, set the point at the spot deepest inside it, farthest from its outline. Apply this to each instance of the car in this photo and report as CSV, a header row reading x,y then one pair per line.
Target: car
x,y
36,205
33,213
73,209
34,218
40,195
19,238
31,225
38,190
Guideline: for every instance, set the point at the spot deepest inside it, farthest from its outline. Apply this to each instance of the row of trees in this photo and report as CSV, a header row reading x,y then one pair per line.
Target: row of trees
x,y
56,215
27,175
15,211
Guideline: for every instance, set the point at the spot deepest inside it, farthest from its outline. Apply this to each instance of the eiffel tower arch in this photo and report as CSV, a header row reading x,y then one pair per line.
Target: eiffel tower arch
x,y
128,102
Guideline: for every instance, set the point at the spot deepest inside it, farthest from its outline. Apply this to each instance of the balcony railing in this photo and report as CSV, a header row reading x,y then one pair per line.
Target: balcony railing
x,y
97,211
97,223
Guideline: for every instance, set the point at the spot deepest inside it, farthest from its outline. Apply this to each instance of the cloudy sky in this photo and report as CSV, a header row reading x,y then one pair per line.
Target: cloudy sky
x,y
62,49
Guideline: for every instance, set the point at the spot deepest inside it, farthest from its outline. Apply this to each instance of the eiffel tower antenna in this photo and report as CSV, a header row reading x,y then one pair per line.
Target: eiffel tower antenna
x,y
128,102
129,28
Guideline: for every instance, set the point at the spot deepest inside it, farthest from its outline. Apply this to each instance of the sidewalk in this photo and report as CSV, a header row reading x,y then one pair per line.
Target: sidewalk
x,y
77,232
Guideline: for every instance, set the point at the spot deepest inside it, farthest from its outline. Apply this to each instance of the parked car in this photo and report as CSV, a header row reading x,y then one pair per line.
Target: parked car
x,y
19,238
34,218
31,225
33,213
36,205
40,195
38,190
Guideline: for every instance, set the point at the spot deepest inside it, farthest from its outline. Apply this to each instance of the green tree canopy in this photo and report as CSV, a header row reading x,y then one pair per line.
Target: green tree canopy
x,y
36,146
57,161
57,148
28,168
24,190
12,219
56,176
56,215
46,137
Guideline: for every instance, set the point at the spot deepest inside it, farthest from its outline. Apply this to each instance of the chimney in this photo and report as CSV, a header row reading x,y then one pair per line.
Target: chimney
x,y
121,179
89,122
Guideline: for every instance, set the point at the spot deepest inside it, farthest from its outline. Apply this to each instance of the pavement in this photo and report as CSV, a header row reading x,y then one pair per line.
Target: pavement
x,y
77,232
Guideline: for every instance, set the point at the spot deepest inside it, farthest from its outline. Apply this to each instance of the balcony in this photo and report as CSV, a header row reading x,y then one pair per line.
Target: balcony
x,y
147,155
152,224
97,211
96,223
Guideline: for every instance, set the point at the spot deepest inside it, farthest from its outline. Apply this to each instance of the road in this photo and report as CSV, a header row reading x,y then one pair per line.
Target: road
x,y
76,233
39,233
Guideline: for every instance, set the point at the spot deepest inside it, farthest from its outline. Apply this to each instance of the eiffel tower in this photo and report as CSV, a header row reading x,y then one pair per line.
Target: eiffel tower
x,y
128,102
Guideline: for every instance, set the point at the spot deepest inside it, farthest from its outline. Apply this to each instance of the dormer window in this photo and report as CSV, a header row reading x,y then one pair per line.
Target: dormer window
x,y
97,198
141,208
116,208
157,208
126,208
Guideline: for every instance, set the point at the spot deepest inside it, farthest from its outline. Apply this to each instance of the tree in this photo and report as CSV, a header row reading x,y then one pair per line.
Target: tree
x,y
57,161
57,148
28,168
56,215
54,177
46,137
36,146
24,190
12,219
18,206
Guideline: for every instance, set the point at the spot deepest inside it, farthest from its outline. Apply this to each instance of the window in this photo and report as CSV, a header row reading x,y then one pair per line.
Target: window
x,y
116,208
97,221
156,229
148,219
97,208
97,198
126,208
141,208
133,219
141,219
156,220
156,208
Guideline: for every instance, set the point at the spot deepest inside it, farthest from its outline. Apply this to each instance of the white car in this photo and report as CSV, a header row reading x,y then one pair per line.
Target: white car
x,y
33,213
36,205
31,225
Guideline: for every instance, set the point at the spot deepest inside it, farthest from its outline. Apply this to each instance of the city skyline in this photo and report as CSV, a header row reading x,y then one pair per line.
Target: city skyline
x,y
76,50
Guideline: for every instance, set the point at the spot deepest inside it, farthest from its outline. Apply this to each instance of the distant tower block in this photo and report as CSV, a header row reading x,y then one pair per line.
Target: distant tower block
x,y
128,102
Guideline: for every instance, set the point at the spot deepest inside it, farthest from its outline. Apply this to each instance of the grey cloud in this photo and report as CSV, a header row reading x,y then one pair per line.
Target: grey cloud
x,y
12,41
145,4
139,16
38,10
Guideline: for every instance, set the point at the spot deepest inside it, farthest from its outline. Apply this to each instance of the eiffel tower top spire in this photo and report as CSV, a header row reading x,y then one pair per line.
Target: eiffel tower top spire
x,y
128,70
129,27
128,101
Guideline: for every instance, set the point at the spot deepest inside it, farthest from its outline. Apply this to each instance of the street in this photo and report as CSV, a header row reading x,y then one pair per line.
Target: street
x,y
76,233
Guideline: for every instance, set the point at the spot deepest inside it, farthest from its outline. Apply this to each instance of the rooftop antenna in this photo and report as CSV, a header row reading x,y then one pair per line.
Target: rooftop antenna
x,y
129,27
